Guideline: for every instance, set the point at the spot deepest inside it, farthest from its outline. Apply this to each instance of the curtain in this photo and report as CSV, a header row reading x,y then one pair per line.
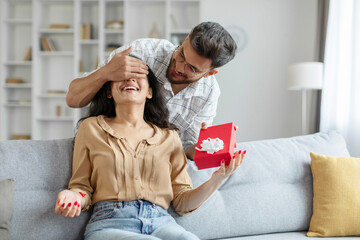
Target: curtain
x,y
340,102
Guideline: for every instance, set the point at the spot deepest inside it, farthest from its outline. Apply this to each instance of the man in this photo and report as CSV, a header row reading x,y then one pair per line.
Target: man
x,y
186,73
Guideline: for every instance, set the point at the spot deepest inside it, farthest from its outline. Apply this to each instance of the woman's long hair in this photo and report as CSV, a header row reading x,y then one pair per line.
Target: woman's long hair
x,y
155,112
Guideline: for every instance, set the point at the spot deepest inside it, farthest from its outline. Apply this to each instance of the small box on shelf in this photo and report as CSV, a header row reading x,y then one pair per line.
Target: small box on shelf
x,y
215,144
115,24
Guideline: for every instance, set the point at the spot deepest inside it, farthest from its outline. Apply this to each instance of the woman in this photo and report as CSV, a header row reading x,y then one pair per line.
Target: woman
x,y
130,165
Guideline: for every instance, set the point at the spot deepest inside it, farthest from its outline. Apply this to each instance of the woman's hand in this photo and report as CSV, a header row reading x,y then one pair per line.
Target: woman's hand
x,y
68,204
224,172
198,195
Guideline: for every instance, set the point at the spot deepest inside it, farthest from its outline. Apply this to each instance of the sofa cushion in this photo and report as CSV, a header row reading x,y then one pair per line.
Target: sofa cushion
x,y
336,206
40,169
270,192
6,207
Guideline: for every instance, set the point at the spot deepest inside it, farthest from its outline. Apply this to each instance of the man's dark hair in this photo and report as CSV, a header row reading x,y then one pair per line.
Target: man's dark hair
x,y
156,111
211,40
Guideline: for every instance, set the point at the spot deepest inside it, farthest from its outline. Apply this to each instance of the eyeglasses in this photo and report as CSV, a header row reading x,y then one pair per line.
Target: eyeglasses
x,y
190,70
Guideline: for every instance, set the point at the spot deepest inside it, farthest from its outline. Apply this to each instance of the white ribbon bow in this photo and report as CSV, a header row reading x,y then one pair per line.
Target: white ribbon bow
x,y
211,145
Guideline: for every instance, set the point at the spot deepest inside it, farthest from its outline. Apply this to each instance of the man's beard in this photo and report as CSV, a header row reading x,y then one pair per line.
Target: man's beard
x,y
185,81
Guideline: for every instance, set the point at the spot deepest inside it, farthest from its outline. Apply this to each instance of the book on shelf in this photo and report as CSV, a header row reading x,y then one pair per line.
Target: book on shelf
x,y
86,31
27,56
56,92
20,137
81,66
96,63
20,101
47,44
112,46
59,25
14,80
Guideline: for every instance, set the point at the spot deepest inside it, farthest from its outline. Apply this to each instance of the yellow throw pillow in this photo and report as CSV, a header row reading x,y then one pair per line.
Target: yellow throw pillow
x,y
336,202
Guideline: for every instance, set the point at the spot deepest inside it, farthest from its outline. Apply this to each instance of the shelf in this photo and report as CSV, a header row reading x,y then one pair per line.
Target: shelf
x,y
18,85
56,53
18,63
180,31
18,21
19,105
56,30
57,119
57,1
114,31
89,41
46,95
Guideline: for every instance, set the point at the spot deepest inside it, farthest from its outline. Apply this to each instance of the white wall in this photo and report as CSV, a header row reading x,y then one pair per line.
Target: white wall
x,y
254,88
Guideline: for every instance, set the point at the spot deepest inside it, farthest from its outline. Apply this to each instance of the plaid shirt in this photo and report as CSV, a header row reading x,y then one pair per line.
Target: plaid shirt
x,y
190,107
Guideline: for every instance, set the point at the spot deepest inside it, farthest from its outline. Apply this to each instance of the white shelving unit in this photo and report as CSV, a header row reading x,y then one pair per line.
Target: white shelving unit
x,y
16,104
37,107
53,70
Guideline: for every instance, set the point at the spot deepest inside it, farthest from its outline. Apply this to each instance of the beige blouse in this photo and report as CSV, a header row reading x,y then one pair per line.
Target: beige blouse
x,y
106,168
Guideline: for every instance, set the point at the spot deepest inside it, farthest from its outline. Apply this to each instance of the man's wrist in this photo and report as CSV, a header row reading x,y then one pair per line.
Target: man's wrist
x,y
100,76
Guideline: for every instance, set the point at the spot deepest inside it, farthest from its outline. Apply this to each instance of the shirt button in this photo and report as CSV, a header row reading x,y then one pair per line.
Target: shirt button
x,y
137,178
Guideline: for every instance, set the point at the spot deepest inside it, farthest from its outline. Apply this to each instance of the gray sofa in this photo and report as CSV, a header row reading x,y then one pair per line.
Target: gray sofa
x,y
269,197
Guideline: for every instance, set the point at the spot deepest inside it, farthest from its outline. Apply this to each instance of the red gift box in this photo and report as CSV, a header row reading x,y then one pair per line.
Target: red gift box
x,y
225,132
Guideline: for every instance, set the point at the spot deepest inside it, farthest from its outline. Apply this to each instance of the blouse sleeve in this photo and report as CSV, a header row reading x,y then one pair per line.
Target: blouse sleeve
x,y
81,167
180,179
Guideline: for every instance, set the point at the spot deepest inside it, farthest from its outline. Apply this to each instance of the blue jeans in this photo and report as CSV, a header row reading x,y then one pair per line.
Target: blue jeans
x,y
137,219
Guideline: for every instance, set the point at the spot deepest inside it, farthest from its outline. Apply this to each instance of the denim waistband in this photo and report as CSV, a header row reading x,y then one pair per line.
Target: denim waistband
x,y
120,204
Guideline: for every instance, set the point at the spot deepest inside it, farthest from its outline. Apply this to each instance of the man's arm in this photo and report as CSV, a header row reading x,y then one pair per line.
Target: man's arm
x,y
83,89
203,119
119,68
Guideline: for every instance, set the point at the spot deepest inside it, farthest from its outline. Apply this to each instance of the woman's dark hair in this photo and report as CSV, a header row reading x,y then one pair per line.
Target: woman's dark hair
x,y
156,111
211,40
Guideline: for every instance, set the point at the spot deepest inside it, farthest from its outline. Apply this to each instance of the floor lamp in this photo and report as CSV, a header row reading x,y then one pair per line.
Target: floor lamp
x,y
303,76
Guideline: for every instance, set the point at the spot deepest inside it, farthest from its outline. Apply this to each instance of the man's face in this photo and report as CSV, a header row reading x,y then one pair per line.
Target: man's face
x,y
186,66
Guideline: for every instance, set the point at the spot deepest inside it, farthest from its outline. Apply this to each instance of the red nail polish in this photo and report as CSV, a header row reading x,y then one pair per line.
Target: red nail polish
x,y
244,151
69,205
63,205
240,152
75,203
58,202
78,205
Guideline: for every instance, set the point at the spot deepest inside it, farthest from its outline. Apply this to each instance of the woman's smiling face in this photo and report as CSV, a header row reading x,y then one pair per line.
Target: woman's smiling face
x,y
134,90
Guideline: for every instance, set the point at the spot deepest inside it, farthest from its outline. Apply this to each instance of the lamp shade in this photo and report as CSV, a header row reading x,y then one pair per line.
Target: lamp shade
x,y
305,75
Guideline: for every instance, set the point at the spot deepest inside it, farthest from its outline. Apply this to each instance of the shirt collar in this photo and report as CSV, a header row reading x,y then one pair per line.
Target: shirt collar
x,y
106,127
193,89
